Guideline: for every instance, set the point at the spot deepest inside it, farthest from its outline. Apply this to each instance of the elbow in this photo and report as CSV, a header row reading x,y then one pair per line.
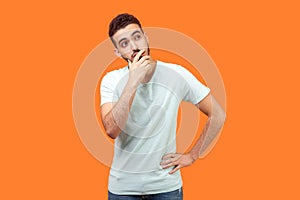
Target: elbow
x,y
111,135
219,117
223,117
110,127
112,132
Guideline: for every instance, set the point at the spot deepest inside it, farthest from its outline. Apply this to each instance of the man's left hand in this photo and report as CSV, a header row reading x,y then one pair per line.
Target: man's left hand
x,y
176,161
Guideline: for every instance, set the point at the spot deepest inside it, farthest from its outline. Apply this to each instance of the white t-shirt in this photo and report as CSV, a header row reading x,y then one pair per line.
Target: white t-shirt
x,y
150,130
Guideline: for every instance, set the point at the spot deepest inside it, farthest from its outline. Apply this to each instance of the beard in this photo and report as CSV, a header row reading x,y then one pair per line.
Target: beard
x,y
135,51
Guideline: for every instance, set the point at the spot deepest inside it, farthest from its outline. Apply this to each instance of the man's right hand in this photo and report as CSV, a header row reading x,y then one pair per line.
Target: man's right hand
x,y
115,115
139,68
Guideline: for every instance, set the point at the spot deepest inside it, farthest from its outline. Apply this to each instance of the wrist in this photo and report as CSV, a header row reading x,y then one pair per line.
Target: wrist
x,y
133,84
193,155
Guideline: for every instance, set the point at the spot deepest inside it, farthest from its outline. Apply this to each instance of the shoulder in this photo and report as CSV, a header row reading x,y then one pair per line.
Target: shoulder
x,y
174,68
115,75
168,65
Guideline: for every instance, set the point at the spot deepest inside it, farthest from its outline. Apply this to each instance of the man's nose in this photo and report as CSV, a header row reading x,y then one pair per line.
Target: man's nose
x,y
133,45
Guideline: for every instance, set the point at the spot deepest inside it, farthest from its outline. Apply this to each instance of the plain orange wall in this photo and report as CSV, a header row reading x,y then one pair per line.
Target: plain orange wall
x,y
255,45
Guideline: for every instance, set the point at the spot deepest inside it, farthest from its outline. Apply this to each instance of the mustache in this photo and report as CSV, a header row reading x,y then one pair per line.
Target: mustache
x,y
134,52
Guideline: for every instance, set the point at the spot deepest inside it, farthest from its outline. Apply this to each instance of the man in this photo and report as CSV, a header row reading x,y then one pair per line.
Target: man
x,y
139,106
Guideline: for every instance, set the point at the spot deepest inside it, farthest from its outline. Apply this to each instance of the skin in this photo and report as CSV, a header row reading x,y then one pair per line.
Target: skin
x,y
115,115
210,133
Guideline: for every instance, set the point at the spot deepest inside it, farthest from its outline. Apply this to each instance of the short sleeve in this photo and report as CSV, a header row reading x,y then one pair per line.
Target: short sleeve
x,y
107,89
195,91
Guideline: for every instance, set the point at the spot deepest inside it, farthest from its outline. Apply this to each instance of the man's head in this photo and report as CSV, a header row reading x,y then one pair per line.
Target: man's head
x,y
128,37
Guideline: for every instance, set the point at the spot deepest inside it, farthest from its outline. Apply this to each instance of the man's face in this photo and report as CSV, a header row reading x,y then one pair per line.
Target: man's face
x,y
129,41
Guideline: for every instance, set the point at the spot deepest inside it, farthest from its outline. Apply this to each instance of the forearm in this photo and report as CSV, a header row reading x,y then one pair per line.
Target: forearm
x,y
209,135
115,120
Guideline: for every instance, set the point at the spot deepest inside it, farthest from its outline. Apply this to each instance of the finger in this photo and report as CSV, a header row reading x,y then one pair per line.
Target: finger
x,y
169,163
137,56
168,156
148,66
143,59
174,156
166,162
175,169
145,63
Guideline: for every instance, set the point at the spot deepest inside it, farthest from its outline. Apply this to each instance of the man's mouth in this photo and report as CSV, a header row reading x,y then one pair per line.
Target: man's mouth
x,y
134,54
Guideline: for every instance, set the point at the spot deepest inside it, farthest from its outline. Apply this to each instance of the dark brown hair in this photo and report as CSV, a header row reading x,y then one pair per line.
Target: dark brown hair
x,y
121,21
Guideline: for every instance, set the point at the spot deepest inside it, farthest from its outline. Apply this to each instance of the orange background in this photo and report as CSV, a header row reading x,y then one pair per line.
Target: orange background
x,y
255,46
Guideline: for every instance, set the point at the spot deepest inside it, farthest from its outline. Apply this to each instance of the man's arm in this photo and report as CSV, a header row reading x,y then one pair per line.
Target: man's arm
x,y
216,117
115,115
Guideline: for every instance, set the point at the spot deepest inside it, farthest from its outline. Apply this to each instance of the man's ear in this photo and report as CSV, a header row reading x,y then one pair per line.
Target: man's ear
x,y
117,53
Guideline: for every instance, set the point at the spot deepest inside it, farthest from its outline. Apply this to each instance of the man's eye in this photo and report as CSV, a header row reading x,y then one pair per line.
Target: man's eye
x,y
137,37
124,44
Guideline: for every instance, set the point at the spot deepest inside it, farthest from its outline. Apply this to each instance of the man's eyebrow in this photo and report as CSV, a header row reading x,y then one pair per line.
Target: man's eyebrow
x,y
137,31
122,40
